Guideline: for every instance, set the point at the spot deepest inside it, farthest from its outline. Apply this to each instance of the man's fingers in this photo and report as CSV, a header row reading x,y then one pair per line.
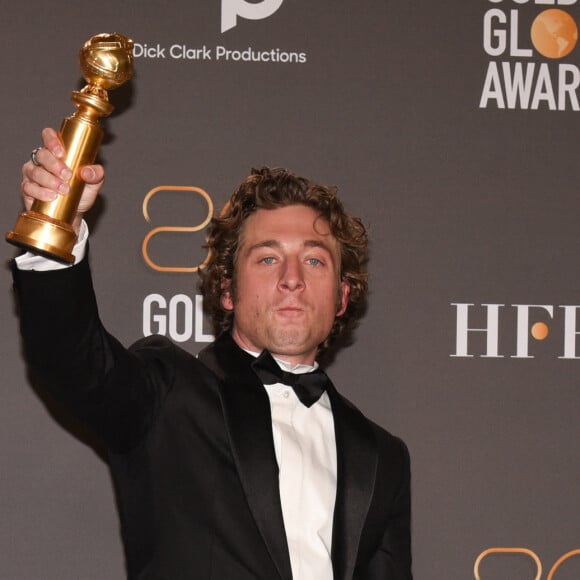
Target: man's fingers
x,y
49,176
47,163
32,191
93,174
52,142
45,179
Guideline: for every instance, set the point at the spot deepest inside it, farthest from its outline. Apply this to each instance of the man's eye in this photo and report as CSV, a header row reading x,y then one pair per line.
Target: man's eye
x,y
267,260
314,261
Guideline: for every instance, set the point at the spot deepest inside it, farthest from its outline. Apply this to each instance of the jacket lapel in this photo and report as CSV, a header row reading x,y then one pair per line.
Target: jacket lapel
x,y
248,422
357,467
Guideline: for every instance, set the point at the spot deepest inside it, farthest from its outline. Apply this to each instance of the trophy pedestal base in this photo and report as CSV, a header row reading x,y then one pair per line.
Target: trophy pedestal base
x,y
44,235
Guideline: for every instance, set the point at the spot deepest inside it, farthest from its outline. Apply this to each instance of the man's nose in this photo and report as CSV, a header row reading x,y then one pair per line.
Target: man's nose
x,y
292,275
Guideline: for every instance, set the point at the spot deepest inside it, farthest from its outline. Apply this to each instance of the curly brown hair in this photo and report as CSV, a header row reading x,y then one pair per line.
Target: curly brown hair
x,y
271,188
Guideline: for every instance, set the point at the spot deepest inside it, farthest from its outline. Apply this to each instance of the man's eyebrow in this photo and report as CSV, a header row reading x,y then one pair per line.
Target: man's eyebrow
x,y
277,244
264,244
317,244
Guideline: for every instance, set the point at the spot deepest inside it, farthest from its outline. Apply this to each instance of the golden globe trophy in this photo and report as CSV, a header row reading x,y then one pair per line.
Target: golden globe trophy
x,y
106,63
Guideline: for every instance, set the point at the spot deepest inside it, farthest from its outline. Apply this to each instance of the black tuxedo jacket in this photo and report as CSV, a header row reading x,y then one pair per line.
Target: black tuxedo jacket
x,y
191,448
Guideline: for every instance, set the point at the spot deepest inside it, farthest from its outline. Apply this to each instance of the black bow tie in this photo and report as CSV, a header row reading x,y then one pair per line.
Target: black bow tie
x,y
307,386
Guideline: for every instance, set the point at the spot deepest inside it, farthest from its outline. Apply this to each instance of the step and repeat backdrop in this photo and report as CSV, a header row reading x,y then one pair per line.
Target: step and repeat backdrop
x,y
451,128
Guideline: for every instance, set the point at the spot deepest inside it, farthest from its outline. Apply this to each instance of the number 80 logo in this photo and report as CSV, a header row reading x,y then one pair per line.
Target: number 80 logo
x,y
531,554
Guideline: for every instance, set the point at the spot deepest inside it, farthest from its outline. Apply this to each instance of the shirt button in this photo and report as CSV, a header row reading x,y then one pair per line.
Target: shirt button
x,y
285,394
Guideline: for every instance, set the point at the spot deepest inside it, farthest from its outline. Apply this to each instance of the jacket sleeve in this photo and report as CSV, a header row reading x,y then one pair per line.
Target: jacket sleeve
x,y
71,356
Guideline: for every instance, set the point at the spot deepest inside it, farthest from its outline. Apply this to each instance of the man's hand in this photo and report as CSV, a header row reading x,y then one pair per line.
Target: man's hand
x,y
50,179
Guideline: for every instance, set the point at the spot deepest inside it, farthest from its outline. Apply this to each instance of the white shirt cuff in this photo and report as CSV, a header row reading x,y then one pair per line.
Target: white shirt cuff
x,y
31,261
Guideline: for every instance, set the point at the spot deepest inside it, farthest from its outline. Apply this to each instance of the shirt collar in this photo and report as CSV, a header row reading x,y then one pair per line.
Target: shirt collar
x,y
286,366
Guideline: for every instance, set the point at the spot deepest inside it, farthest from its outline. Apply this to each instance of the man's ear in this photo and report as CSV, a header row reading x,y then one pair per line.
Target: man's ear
x,y
343,294
226,297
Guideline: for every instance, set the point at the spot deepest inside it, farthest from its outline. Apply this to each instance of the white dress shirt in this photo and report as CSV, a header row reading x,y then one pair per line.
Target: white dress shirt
x,y
305,448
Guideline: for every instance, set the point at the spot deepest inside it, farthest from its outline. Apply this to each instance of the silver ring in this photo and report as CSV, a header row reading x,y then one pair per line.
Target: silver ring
x,y
33,156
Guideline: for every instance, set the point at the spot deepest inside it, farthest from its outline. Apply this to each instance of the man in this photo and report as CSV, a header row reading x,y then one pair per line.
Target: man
x,y
221,471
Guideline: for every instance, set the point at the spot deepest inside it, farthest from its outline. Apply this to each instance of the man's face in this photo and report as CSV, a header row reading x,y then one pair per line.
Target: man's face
x,y
287,290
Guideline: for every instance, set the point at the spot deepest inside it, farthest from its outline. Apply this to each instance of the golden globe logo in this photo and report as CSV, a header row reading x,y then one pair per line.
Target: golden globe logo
x,y
554,33
523,79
